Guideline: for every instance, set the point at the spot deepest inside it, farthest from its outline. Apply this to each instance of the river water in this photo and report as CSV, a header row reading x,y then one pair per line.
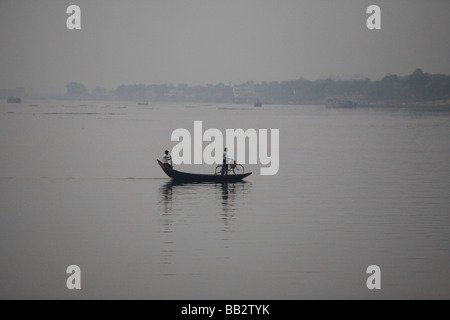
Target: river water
x,y
79,185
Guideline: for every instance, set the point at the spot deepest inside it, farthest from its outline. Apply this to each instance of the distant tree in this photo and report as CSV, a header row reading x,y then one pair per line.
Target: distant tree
x,y
76,89
388,89
416,84
438,87
391,89
99,91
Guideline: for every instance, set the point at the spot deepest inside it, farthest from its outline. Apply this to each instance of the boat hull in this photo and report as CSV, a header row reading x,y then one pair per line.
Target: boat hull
x,y
194,177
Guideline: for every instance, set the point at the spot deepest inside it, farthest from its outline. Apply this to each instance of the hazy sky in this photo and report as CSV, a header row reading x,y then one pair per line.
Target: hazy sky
x,y
212,41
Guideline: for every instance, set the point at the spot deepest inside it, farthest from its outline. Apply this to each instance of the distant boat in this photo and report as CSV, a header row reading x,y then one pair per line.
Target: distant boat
x,y
143,103
14,100
196,177
257,104
338,103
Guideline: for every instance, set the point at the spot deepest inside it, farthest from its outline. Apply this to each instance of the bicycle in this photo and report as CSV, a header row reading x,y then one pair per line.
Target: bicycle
x,y
232,167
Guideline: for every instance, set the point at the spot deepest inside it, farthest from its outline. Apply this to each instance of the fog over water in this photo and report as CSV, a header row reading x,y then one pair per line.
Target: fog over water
x,y
199,42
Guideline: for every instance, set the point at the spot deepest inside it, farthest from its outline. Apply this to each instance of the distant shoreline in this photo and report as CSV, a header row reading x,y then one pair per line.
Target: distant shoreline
x,y
417,89
440,105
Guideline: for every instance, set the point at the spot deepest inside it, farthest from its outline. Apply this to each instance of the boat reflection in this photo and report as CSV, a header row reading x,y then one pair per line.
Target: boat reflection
x,y
180,200
185,205
182,196
232,194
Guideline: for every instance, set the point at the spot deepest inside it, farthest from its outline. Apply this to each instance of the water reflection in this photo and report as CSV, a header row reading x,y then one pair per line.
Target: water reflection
x,y
232,195
179,196
184,205
178,201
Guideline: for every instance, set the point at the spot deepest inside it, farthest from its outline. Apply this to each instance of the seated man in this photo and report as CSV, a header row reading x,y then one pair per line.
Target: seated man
x,y
166,158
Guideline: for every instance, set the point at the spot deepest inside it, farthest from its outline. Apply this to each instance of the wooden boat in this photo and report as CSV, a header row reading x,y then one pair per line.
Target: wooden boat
x,y
196,177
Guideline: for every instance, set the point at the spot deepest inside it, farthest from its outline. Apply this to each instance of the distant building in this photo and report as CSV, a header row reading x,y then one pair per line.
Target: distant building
x,y
244,93
6,93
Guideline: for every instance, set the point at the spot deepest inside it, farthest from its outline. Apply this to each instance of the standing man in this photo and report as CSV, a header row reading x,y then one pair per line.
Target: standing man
x,y
224,163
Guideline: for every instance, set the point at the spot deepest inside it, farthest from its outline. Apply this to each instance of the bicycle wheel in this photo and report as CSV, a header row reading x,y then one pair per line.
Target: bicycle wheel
x,y
238,169
218,169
